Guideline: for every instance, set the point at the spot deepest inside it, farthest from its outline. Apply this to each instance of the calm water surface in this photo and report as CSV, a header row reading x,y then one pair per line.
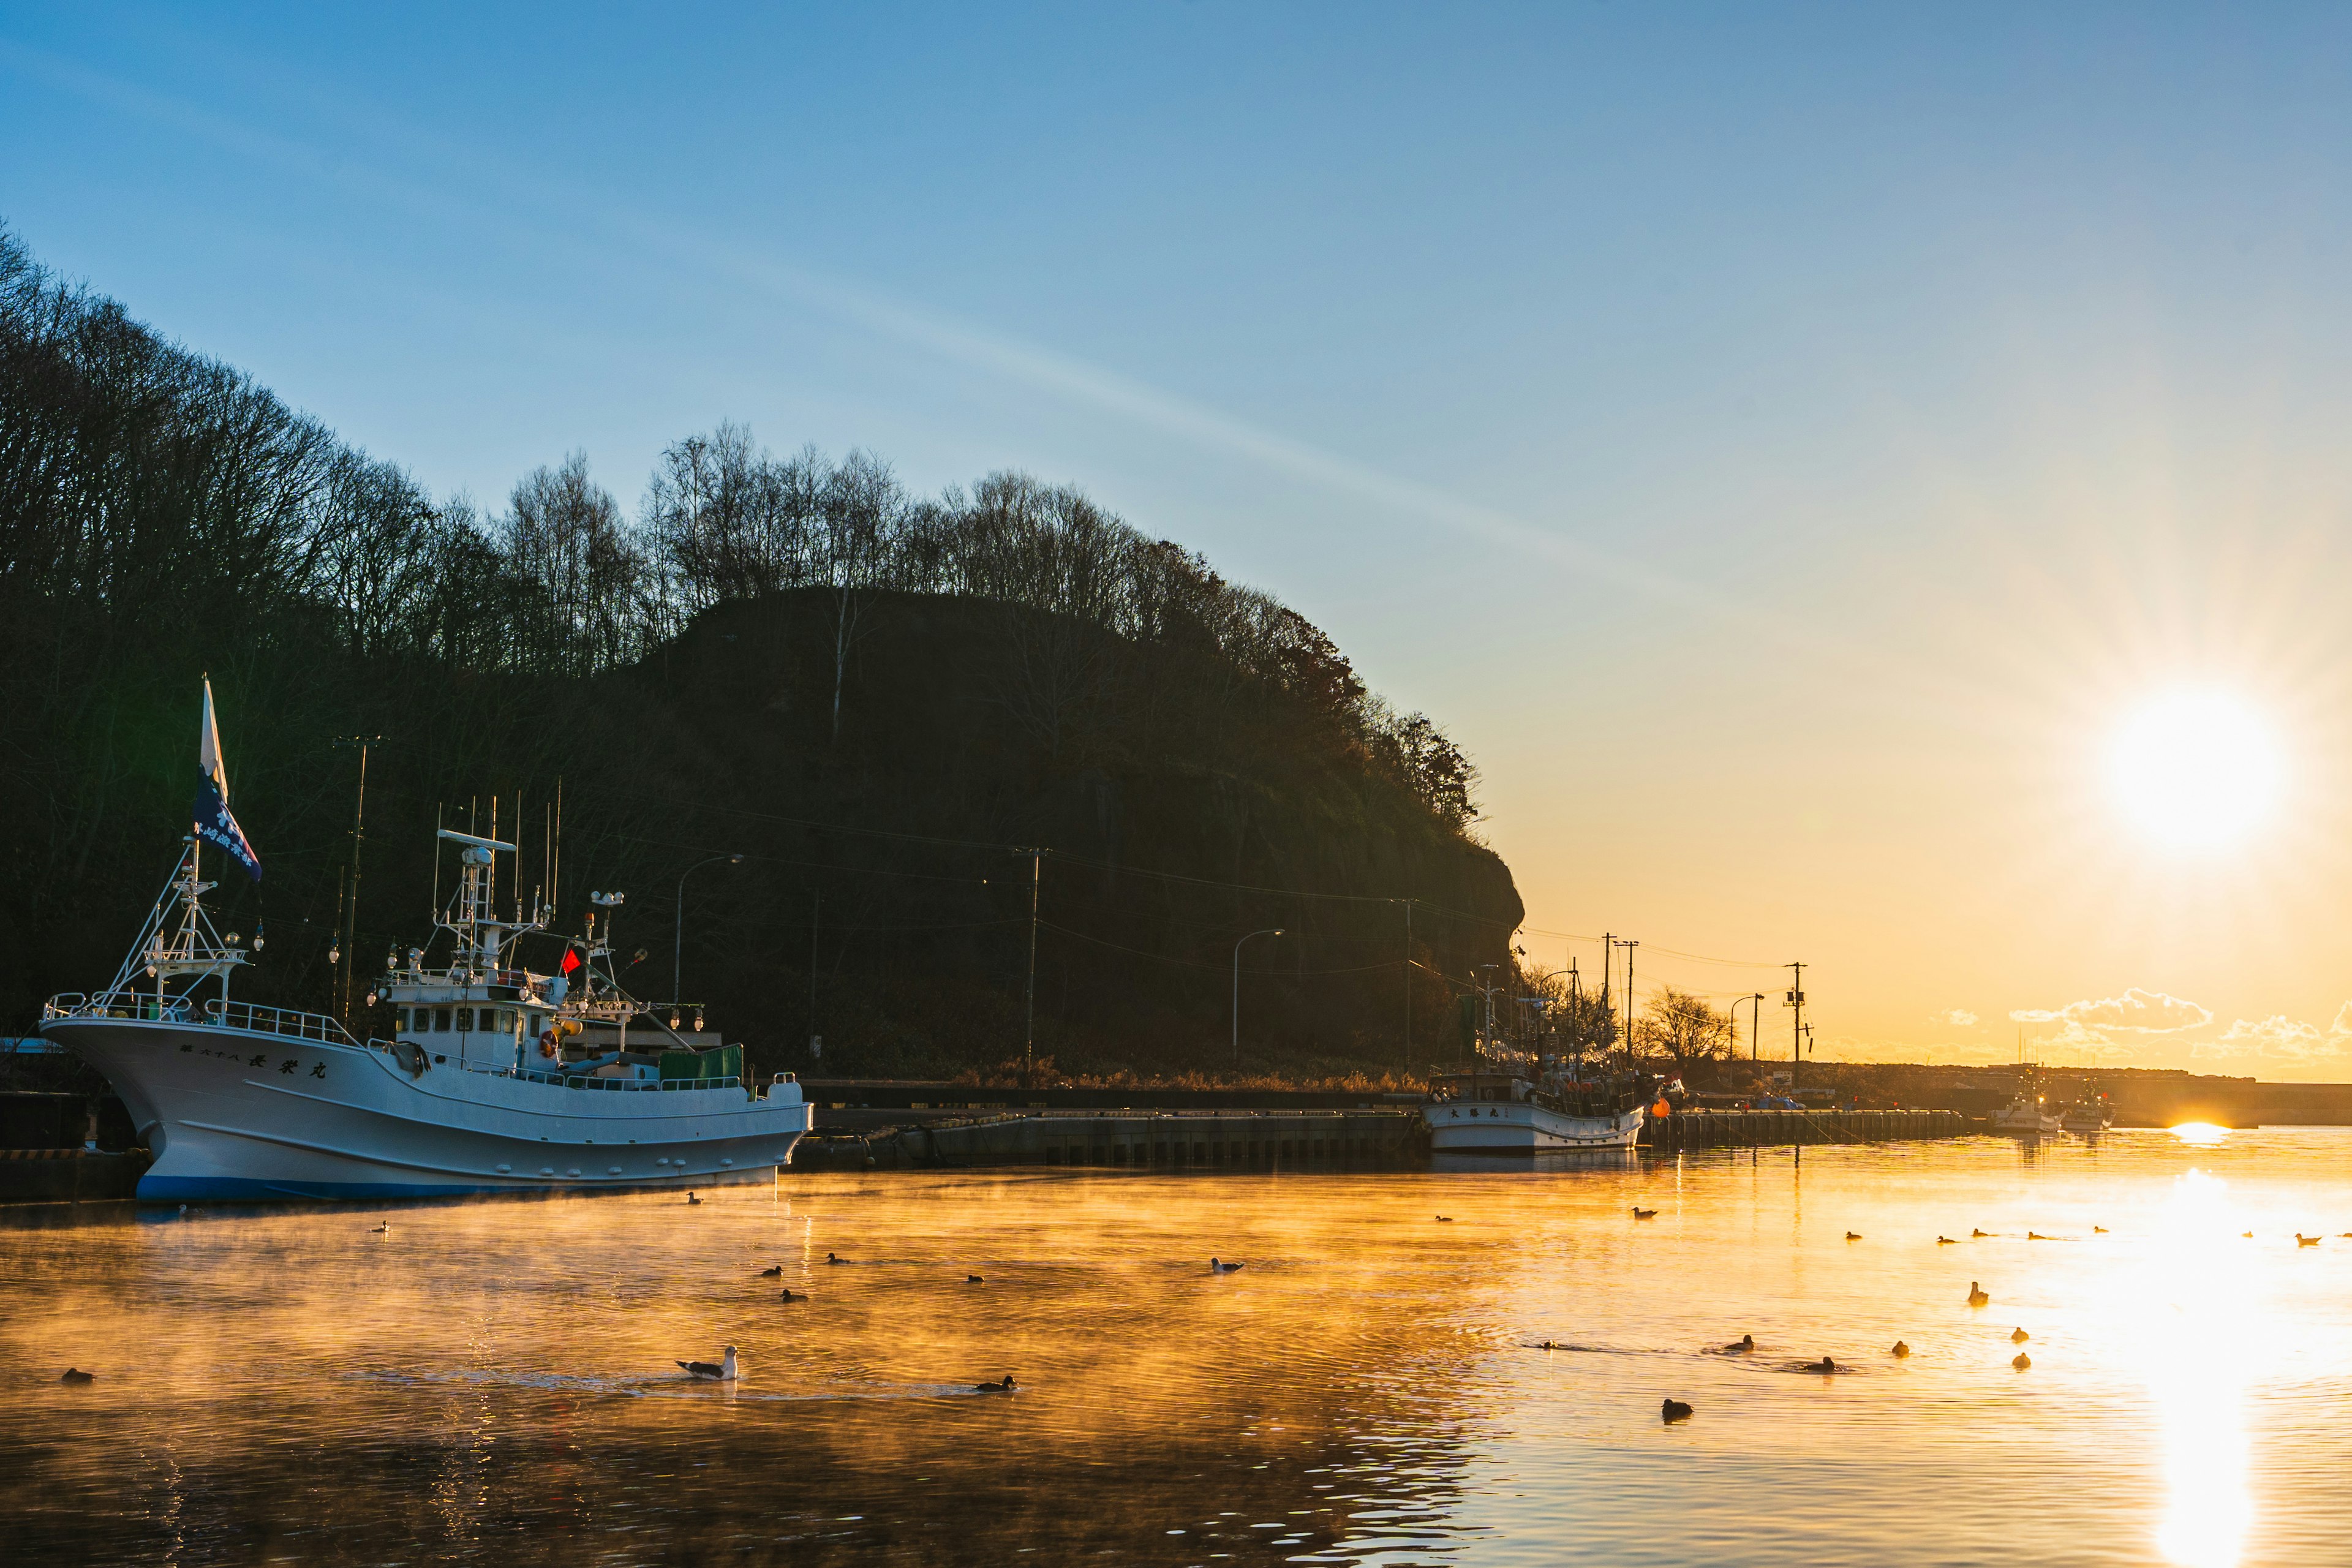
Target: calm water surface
x,y
493,1382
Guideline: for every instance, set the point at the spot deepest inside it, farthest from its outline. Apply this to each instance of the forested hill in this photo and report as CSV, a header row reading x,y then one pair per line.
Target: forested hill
x,y
883,701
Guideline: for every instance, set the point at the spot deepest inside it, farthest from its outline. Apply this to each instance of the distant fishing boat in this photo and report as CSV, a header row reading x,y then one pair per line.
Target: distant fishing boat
x,y
2088,1115
497,1078
1508,1110
2026,1114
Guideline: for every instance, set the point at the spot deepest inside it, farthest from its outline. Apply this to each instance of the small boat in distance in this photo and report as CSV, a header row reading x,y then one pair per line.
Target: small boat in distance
x,y
2025,1114
2089,1115
496,1078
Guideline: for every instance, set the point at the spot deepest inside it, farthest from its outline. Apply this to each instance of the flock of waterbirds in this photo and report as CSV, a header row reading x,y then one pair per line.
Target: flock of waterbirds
x,y
1676,1410
730,1369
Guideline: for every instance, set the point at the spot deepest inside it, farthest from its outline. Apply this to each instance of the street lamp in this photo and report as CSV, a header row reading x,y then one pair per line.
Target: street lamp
x,y
1272,931
1754,1024
678,936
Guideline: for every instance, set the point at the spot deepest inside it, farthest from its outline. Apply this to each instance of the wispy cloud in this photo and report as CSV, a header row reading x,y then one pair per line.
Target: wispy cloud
x,y
2277,1037
2134,1012
1957,1017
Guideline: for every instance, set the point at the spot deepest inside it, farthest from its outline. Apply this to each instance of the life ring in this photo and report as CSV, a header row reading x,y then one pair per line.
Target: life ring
x,y
547,1044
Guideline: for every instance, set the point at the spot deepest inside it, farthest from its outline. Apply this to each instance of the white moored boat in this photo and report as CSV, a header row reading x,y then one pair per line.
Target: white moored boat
x,y
498,1079
1509,1113
2025,1114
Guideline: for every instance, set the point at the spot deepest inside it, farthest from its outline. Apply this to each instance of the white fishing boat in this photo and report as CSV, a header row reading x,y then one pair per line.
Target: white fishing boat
x,y
495,1078
2025,1114
1507,1112
2090,1115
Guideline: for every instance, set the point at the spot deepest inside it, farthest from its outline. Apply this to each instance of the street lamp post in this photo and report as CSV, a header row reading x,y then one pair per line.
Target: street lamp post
x,y
1271,930
678,936
1754,1024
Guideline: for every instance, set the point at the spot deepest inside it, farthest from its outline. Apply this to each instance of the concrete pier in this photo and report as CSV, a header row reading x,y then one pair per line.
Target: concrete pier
x,y
1128,1140
1743,1129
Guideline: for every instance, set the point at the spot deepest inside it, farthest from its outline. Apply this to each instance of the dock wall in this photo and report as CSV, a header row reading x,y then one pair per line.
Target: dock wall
x,y
1162,1141
1744,1129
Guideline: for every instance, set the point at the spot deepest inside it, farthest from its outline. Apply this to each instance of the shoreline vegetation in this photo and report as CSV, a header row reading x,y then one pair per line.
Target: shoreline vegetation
x,y
939,729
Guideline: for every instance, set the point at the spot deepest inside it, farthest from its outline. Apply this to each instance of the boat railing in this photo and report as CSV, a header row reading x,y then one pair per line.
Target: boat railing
x,y
248,1018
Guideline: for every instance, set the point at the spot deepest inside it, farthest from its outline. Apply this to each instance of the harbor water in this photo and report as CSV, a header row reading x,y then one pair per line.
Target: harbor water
x,y
494,1382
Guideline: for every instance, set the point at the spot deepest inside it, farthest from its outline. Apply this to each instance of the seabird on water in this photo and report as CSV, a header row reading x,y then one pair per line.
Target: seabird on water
x,y
1217,1268
1007,1386
1674,1410
75,1375
775,1273
1741,1345
724,1372
1854,1235
1641,1213
2022,1362
974,1279
692,1199
835,1258
2018,1336
1900,1349
790,1297
1977,1297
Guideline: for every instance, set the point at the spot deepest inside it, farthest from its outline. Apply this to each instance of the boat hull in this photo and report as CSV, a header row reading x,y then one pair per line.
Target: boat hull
x,y
242,1115
1516,1127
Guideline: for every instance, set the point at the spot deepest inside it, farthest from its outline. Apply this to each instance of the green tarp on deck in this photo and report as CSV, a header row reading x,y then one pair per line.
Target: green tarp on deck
x,y
720,1066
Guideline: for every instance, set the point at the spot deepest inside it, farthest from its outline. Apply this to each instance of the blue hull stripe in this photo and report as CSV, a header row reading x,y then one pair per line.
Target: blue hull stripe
x,y
154,1189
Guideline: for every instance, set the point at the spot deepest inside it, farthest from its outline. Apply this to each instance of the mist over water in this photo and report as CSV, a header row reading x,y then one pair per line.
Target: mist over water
x,y
494,1382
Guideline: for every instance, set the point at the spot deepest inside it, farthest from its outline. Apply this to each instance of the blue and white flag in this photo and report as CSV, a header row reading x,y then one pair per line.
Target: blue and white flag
x,y
213,823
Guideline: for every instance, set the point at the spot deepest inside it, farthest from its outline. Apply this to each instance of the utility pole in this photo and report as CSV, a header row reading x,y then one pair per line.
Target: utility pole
x,y
1629,947
816,912
1408,988
1029,1040
1796,1025
1608,967
351,933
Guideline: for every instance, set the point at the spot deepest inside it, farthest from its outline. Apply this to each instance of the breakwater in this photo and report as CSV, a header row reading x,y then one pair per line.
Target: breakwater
x,y
1743,1129
1189,1140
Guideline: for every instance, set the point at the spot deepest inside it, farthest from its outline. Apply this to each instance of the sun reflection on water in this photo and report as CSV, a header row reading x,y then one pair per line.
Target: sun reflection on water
x,y
2202,1134
2199,1325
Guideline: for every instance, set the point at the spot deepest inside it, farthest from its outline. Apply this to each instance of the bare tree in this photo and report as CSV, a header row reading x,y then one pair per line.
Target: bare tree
x,y
1679,1024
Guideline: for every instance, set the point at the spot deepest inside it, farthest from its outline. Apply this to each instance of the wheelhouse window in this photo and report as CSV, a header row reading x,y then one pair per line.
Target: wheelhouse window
x,y
441,1019
465,1018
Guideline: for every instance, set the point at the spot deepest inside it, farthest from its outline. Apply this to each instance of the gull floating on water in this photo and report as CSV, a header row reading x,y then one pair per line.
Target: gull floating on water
x,y
724,1372
1674,1410
1217,1268
2098,1230
1445,1219
2018,1336
1980,1234
974,1279
1854,1235
1900,1349
2022,1362
75,1375
2303,1240
1977,1297
1946,1241
1641,1213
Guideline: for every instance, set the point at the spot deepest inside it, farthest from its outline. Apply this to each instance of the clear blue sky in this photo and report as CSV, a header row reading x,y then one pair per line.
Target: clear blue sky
x,y
1778,442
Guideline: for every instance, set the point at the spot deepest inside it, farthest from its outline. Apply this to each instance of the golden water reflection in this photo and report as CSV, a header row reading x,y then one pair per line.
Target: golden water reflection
x,y
493,1382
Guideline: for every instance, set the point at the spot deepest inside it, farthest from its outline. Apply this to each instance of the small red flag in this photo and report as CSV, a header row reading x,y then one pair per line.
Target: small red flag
x,y
570,960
